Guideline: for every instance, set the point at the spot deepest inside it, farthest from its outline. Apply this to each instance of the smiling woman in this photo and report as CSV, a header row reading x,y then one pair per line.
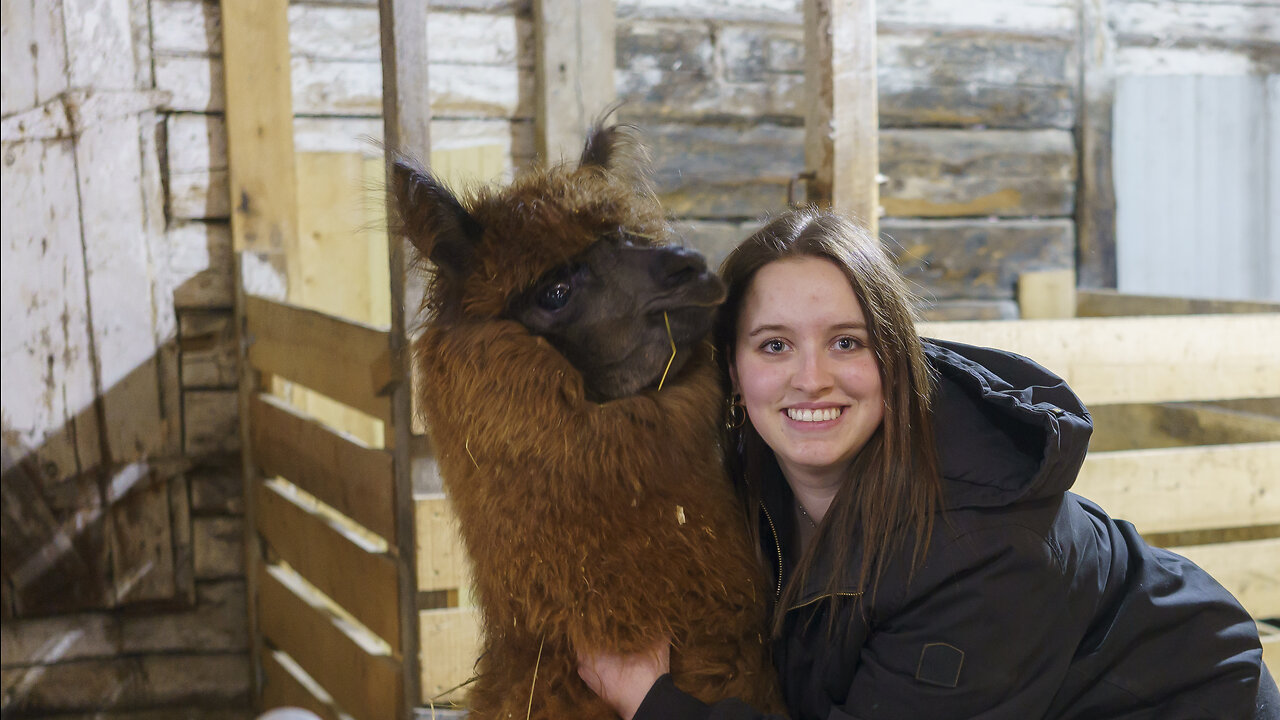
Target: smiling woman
x,y
909,499
807,375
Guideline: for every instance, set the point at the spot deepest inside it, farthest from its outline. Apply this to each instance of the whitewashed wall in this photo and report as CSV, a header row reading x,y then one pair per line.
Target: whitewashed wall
x,y
1197,170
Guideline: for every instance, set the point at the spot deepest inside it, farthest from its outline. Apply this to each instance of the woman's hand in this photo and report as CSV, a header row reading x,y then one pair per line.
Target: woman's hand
x,y
622,681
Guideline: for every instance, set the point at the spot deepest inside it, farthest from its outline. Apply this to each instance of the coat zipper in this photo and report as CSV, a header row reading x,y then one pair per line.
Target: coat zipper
x,y
777,545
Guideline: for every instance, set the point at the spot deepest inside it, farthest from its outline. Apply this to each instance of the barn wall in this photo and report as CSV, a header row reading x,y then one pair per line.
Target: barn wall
x,y
122,537
122,542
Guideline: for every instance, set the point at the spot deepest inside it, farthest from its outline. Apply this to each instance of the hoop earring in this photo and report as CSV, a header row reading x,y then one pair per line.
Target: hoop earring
x,y
735,413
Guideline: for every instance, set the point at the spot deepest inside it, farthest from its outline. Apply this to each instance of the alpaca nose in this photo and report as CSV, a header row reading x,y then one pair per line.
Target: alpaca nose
x,y
676,266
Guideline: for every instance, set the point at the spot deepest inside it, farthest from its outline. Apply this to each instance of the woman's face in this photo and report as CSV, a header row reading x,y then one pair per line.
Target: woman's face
x,y
803,364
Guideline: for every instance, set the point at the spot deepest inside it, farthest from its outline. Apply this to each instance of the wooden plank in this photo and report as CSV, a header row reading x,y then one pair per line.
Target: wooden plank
x,y
442,561
127,682
673,70
1095,210
35,56
347,361
1132,427
966,310
1126,360
210,354
354,479
211,422
1249,570
976,259
336,88
142,536
52,437
130,326
286,684
348,31
1109,303
218,547
948,173
574,43
1198,23
200,191
962,79
1045,294
345,566
1190,488
450,643
259,116
701,171
366,685
842,114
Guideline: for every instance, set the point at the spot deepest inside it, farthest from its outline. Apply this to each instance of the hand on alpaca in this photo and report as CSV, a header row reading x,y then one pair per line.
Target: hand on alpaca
x,y
623,680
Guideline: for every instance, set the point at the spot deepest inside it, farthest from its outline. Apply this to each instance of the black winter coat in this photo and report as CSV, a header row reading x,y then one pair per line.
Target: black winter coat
x,y
1031,601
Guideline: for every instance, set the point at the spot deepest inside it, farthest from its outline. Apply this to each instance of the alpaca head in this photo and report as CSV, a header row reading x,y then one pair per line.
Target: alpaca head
x,y
574,253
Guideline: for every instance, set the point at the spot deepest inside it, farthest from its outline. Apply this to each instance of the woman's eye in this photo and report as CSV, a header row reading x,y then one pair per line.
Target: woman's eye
x,y
555,296
848,343
774,346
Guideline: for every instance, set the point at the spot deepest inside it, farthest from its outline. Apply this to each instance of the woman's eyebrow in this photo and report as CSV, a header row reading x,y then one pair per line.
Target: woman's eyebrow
x,y
850,326
761,329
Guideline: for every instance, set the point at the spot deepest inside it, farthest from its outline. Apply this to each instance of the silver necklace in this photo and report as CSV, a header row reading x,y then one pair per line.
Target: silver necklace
x,y
807,516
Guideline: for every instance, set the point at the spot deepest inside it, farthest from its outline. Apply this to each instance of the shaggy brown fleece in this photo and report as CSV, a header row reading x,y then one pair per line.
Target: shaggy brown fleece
x,y
590,525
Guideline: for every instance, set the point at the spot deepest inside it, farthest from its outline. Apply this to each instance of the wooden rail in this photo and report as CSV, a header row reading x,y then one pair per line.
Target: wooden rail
x,y
1142,360
344,360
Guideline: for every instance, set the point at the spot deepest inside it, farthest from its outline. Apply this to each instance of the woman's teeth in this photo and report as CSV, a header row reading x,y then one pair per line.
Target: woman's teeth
x,y
813,415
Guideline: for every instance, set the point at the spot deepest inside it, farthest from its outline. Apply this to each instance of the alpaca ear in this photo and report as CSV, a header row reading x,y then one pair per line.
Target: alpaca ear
x,y
617,149
433,219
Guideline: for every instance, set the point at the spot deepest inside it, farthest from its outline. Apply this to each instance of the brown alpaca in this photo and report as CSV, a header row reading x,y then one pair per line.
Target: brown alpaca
x,y
594,506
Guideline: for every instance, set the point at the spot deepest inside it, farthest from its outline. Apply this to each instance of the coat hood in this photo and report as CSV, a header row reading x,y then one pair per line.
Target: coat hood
x,y
1007,429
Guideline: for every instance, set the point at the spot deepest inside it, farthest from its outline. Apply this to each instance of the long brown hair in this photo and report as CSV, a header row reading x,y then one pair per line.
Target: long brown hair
x,y
894,488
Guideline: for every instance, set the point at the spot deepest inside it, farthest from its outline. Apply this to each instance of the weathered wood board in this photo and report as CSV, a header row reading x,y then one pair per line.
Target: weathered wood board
x,y
1185,488
1130,427
345,474
210,353
338,562
977,259
364,684
128,682
346,361
214,624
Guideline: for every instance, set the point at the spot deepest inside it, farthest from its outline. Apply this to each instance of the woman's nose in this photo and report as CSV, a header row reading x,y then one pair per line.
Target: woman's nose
x,y
813,376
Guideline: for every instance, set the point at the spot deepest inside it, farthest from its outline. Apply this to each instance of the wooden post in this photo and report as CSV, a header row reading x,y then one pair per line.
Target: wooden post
x,y
406,117
1047,294
1096,197
842,120
575,50
259,109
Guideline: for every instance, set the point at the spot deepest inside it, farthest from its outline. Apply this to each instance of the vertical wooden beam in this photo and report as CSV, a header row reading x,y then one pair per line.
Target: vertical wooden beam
x,y
259,119
575,51
406,117
1096,196
842,117
255,46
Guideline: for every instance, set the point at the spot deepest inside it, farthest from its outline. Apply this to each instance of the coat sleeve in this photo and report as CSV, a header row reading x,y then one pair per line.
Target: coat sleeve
x,y
665,701
990,636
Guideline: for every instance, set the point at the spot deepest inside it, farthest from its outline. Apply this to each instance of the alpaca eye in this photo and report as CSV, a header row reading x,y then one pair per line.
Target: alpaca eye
x,y
555,296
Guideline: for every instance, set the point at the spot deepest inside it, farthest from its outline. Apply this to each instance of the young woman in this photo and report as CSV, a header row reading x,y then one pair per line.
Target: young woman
x,y
912,504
